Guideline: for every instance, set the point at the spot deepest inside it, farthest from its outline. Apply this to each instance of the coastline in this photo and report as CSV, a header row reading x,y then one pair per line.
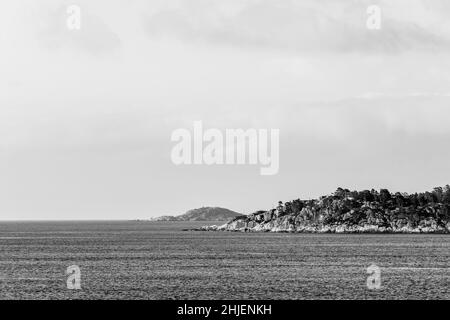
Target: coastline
x,y
289,224
367,229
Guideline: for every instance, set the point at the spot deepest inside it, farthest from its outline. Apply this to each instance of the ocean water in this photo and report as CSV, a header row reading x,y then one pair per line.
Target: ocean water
x,y
157,260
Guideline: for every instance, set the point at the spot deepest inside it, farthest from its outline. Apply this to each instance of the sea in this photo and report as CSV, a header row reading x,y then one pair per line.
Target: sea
x,y
159,260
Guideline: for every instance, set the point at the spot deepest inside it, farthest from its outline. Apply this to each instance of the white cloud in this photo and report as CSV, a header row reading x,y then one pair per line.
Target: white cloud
x,y
304,26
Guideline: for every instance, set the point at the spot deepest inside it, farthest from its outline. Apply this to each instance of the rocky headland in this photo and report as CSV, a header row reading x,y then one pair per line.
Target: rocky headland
x,y
347,211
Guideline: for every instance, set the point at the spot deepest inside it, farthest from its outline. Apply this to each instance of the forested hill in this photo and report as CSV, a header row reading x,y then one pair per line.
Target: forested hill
x,y
354,211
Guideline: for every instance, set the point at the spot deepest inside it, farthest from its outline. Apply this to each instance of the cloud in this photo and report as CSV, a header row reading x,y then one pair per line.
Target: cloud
x,y
297,26
95,36
366,118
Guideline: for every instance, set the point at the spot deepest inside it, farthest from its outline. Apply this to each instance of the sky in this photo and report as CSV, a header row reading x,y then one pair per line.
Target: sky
x,y
86,116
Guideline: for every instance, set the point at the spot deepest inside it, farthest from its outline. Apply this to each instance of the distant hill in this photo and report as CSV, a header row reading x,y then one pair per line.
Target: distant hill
x,y
202,214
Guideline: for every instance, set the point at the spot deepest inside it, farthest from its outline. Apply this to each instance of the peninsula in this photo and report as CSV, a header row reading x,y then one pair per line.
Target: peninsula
x,y
346,211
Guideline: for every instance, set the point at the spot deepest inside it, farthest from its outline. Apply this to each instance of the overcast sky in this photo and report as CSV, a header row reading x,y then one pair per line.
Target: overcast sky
x,y
86,116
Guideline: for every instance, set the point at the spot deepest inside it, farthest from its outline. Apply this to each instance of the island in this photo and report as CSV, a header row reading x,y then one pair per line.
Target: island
x,y
345,211
202,214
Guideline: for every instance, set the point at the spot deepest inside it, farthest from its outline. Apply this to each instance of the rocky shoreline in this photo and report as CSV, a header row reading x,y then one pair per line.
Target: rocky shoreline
x,y
281,227
352,212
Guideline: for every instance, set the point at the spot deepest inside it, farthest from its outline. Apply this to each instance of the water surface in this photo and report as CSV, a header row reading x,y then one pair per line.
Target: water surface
x,y
157,260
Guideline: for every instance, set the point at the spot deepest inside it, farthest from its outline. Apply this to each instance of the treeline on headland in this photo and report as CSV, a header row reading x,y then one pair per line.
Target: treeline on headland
x,y
347,211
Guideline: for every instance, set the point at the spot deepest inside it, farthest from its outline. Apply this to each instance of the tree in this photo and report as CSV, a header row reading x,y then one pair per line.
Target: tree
x,y
385,196
280,208
399,200
366,195
288,208
297,206
446,195
340,193
438,193
414,199
430,197
376,196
